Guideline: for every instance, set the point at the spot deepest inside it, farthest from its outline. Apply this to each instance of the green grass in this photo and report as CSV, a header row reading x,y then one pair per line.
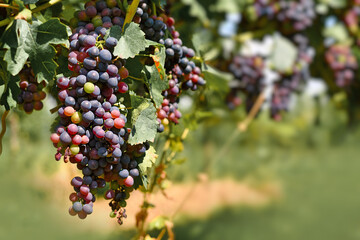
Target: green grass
x,y
317,166
321,201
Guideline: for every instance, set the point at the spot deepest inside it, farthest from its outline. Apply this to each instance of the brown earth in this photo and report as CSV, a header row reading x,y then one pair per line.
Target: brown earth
x,y
197,199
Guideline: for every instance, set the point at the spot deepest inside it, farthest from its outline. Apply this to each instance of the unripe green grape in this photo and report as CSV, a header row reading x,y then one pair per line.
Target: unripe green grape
x,y
123,203
74,149
76,117
112,214
111,3
89,87
97,21
74,22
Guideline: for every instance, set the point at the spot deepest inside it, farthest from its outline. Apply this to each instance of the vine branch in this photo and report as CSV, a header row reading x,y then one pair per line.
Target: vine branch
x,y
45,6
241,127
4,5
5,22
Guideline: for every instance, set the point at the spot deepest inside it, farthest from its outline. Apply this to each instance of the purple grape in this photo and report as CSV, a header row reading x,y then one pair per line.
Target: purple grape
x,y
105,56
92,76
112,70
93,52
111,42
90,63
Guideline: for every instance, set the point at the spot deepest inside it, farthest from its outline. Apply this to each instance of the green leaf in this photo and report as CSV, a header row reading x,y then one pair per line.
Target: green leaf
x,y
160,3
63,62
155,83
217,80
10,93
283,55
131,43
203,43
114,31
334,3
338,32
135,66
146,164
24,41
229,6
143,120
158,223
197,10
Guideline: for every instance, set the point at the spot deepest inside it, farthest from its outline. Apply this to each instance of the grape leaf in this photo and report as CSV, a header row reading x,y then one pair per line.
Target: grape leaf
x,y
197,10
143,120
228,6
334,3
158,223
216,80
338,32
62,61
146,164
160,3
132,42
283,55
25,41
135,66
155,83
10,93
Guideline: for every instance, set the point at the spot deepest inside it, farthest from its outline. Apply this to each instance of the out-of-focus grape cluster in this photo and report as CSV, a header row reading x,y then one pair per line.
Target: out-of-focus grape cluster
x,y
32,94
343,63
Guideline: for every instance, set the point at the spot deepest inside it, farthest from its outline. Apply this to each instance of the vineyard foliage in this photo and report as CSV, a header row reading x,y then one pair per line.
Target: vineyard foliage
x,y
117,70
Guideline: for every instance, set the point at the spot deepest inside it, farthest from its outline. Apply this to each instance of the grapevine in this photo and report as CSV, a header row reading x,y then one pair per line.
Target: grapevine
x,y
115,74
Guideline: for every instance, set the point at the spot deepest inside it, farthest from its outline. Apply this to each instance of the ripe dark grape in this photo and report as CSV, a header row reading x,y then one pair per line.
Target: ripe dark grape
x,y
32,93
105,56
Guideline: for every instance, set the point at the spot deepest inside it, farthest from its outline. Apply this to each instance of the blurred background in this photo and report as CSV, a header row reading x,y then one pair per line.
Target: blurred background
x,y
289,177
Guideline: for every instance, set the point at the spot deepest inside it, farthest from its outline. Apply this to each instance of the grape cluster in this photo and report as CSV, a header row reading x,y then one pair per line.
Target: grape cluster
x,y
343,63
249,73
265,8
32,93
300,14
91,131
153,27
249,78
291,82
183,72
351,19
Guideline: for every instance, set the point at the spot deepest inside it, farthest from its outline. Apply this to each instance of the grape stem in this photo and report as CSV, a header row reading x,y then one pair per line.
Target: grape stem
x,y
3,128
5,22
163,160
4,5
45,6
241,127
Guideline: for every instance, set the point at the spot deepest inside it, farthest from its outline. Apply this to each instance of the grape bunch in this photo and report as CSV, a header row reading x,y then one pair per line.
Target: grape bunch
x,y
291,82
300,14
293,15
351,19
91,130
249,78
343,64
265,8
32,93
182,71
